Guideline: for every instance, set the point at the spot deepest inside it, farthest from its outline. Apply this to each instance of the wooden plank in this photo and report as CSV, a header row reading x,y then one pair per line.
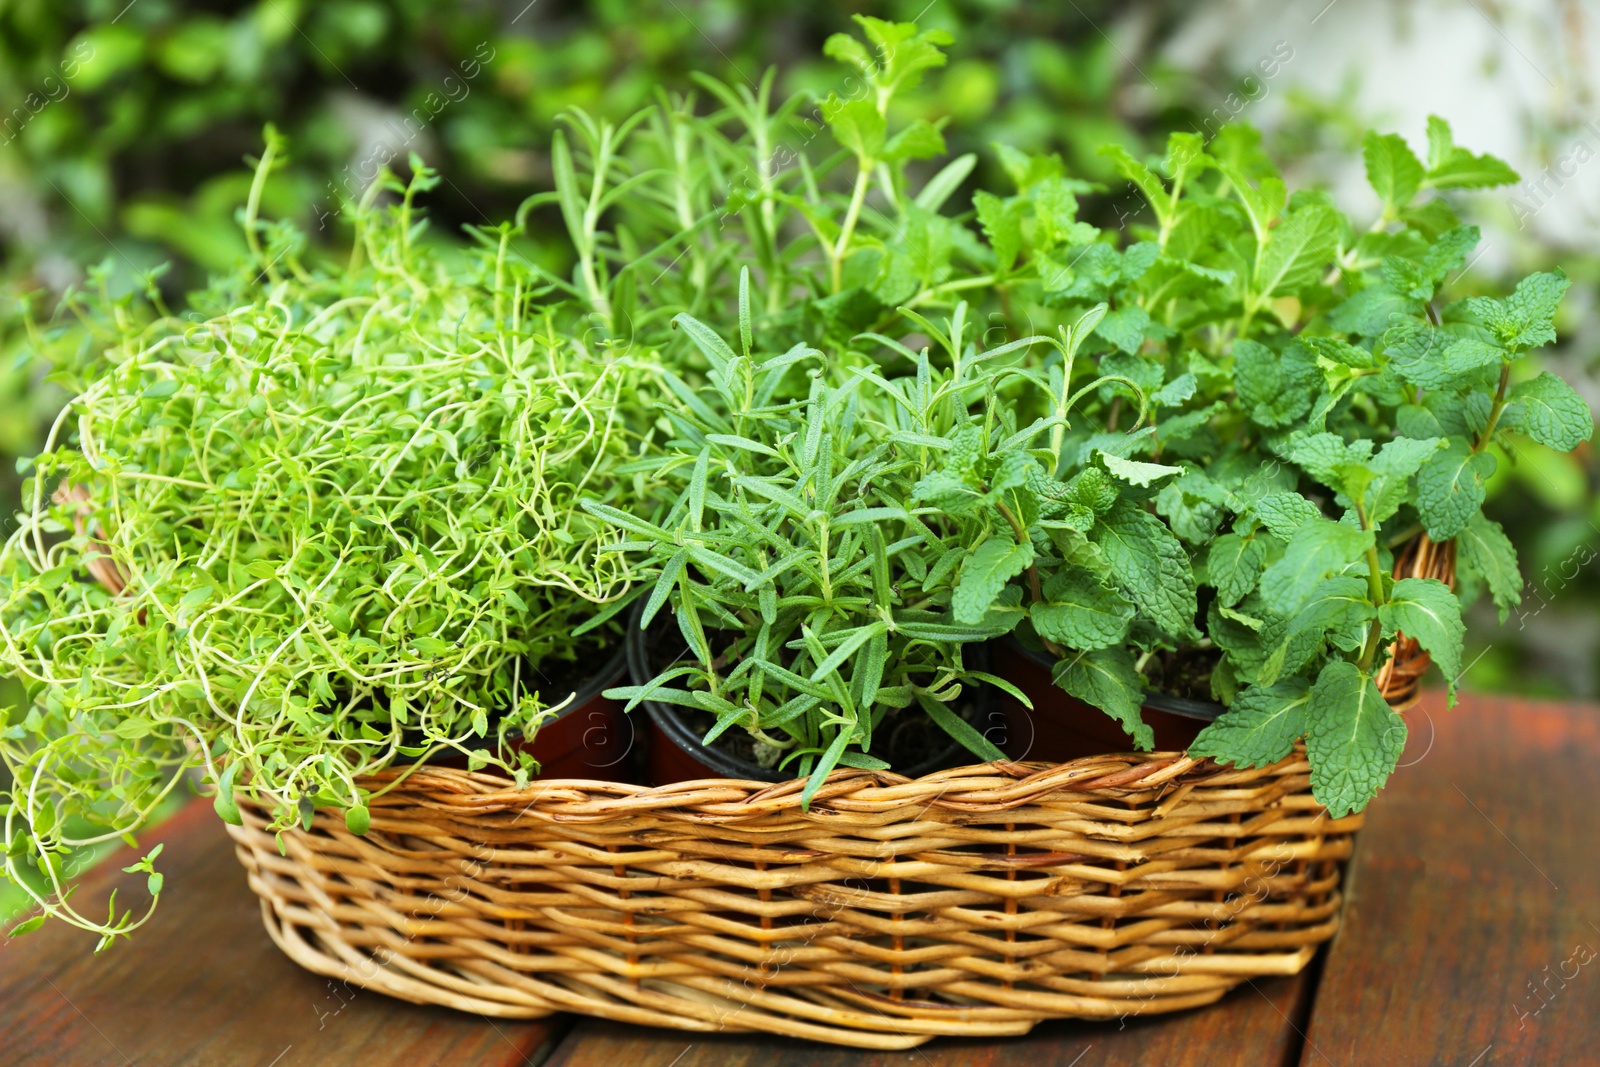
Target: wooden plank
x,y
202,984
1471,934
1251,1027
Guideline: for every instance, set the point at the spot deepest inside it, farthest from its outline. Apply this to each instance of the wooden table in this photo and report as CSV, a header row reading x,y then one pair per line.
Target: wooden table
x,y
1471,937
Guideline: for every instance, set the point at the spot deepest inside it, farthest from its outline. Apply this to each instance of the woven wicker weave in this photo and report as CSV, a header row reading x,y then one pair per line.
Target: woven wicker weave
x,y
976,901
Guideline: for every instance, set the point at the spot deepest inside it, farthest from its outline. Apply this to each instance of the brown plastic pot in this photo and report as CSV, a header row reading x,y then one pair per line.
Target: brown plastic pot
x,y
1061,727
674,752
592,739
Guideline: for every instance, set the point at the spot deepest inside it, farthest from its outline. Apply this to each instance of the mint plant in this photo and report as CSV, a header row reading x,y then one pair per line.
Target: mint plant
x,y
1316,405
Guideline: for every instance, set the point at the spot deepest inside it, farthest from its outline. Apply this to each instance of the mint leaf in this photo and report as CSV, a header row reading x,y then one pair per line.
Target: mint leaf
x,y
1484,552
1151,565
1393,170
1331,460
1451,167
1526,319
1233,566
1436,359
1335,610
1316,550
1450,489
1081,612
1135,472
1392,469
856,125
1534,304
1284,513
920,140
1106,678
1154,190
1551,412
1261,726
1001,221
985,573
1276,389
1353,739
1426,609
1300,249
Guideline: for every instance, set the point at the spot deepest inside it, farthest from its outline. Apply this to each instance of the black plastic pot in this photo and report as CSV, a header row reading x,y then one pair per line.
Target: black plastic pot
x,y
674,752
1061,727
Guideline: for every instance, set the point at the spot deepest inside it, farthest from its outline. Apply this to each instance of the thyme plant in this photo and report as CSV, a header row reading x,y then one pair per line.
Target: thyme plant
x,y
344,508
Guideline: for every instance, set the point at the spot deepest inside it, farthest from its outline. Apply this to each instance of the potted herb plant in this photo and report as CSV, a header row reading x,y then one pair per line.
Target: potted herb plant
x,y
1322,419
334,516
803,595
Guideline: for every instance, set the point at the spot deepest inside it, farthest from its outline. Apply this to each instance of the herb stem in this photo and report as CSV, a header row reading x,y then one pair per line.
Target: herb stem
x,y
1499,406
857,198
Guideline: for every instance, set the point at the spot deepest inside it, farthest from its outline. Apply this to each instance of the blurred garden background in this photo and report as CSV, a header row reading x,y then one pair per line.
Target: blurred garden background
x,y
125,129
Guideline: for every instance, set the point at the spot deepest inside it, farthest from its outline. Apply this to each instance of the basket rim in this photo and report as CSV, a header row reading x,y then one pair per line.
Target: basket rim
x,y
983,787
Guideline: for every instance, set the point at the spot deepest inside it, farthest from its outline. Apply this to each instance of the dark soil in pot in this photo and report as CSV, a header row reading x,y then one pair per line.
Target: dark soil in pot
x,y
1061,727
914,745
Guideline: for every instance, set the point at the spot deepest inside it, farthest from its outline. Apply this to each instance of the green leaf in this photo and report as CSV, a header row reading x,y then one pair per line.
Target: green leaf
x,y
1450,489
1353,739
856,125
1551,412
1001,221
1135,472
27,926
1334,462
905,51
1484,552
226,807
1393,170
1392,470
1151,565
1300,249
1106,679
1336,609
1453,167
947,181
919,140
1261,726
1154,190
357,820
1526,319
960,729
1079,611
1534,304
1435,359
1263,201
712,346
985,573
1316,550
1276,389
1233,566
1427,610
825,766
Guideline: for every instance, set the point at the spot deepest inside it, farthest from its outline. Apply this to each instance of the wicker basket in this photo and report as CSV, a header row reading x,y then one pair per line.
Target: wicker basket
x,y
973,902
976,901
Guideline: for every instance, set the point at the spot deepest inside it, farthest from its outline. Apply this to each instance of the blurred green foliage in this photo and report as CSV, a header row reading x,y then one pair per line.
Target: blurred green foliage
x,y
127,126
